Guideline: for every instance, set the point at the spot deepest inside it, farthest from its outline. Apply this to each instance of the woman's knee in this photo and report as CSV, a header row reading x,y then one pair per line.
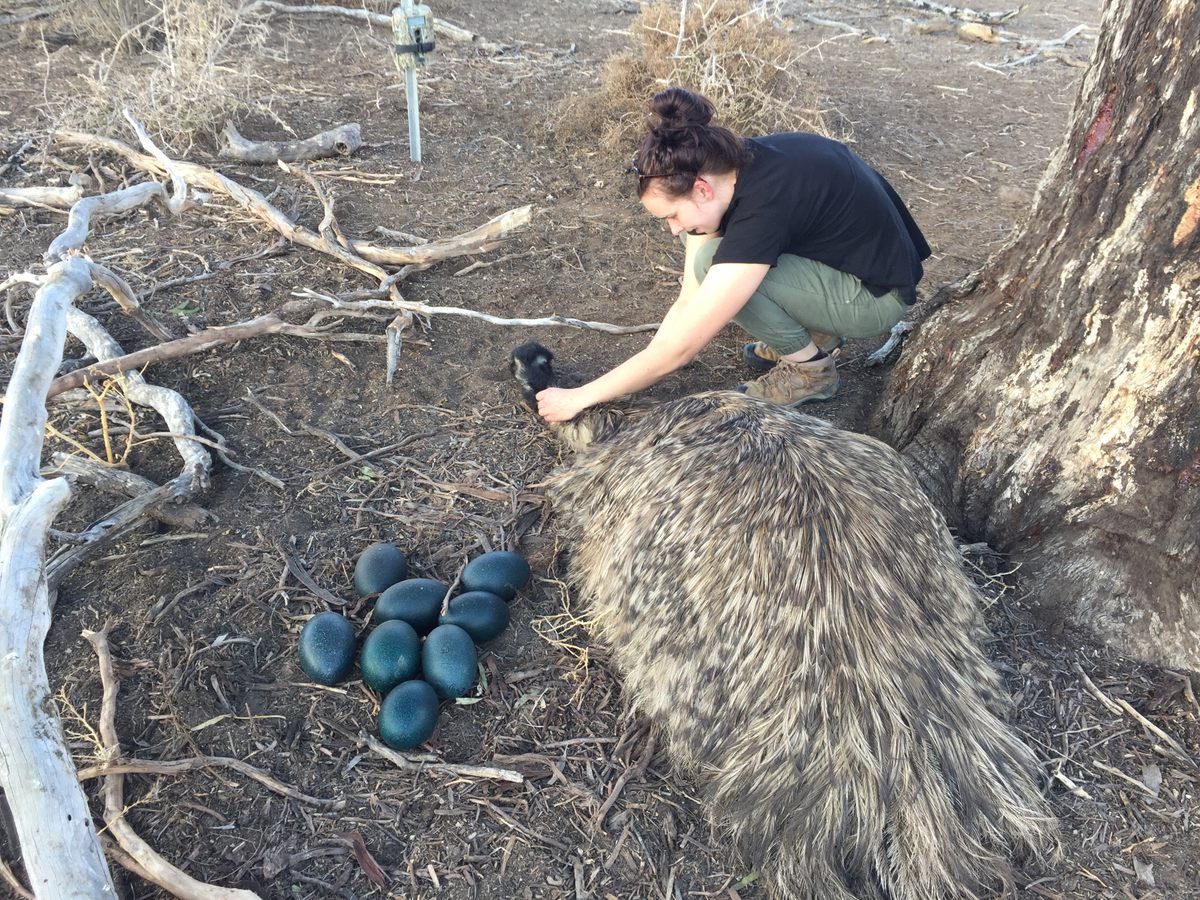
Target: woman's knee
x,y
699,251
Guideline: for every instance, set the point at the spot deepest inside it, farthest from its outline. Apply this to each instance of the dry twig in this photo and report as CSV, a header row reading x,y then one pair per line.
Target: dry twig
x,y
155,868
436,765
120,767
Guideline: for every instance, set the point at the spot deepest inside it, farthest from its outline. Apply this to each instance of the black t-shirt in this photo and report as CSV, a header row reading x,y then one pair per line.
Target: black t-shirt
x,y
810,196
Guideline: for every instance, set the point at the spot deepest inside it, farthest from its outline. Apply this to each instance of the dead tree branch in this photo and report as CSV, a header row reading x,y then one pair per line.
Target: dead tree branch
x,y
363,300
52,197
115,203
169,404
180,766
477,240
963,14
156,869
441,28
272,323
179,197
340,141
433,764
110,480
250,200
54,827
361,255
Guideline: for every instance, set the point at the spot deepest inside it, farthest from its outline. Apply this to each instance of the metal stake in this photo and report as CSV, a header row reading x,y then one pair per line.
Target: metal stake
x,y
414,115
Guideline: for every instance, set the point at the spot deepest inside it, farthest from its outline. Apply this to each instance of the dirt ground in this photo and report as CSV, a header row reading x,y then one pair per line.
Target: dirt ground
x,y
205,622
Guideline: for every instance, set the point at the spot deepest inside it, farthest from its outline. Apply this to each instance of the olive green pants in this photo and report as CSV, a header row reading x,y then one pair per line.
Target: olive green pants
x,y
798,294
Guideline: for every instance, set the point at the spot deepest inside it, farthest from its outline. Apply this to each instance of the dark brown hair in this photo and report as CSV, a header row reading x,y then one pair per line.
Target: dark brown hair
x,y
681,144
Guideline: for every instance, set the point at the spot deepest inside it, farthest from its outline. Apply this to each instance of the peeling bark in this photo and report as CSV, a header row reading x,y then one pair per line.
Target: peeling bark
x,y
1054,409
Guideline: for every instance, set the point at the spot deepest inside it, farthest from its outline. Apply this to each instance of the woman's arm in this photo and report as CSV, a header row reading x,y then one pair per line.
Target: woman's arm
x,y
690,324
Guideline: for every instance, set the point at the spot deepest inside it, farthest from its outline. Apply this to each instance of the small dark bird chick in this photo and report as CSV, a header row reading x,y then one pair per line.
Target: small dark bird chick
x,y
531,368
530,365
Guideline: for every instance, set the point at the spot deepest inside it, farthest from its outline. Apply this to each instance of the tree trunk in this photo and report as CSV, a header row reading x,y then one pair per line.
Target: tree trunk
x,y
1052,407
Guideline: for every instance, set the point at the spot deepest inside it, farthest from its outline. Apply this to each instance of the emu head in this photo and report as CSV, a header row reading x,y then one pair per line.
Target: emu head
x,y
530,366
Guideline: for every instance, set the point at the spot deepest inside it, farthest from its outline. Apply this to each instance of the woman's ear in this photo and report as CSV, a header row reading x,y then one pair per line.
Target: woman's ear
x,y
702,190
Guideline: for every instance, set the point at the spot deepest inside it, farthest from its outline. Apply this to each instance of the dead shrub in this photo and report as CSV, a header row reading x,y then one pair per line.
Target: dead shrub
x,y
737,53
119,26
195,69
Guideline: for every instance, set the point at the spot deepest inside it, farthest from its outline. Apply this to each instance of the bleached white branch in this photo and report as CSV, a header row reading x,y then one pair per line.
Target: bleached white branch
x,y
340,141
59,845
55,197
79,221
441,28
178,186
169,404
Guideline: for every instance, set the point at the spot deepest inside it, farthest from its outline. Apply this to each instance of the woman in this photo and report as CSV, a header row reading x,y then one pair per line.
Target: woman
x,y
792,236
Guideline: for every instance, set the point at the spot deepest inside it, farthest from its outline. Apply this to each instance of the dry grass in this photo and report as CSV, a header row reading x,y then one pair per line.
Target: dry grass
x,y
122,26
193,71
737,53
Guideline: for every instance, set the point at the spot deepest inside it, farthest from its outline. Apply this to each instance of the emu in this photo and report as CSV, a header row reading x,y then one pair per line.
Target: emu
x,y
787,606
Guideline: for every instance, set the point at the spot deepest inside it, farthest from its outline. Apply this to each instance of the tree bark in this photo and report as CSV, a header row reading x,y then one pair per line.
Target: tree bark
x,y
1052,406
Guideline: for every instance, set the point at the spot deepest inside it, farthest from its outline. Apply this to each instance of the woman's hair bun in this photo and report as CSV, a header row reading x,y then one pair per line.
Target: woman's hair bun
x,y
678,107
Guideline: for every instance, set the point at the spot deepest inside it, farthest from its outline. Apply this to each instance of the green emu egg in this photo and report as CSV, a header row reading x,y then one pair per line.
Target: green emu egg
x,y
378,568
449,661
417,601
327,648
390,654
408,715
500,573
480,614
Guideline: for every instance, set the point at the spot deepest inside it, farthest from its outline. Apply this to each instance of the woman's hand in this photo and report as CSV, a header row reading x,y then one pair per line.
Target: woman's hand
x,y
561,404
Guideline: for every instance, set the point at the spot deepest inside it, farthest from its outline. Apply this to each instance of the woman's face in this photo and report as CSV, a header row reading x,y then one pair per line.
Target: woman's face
x,y
698,212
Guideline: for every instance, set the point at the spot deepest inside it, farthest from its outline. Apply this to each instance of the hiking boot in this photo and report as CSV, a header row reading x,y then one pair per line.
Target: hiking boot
x,y
793,383
762,358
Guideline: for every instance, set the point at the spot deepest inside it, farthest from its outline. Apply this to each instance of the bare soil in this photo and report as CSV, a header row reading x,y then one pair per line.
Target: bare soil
x,y
206,622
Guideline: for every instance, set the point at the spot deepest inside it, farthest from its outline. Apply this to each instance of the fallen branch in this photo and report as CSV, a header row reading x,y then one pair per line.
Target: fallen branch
x,y
180,766
52,197
272,323
329,227
475,241
123,294
249,199
179,198
891,347
1044,47
362,255
372,300
340,141
427,764
27,16
115,203
442,28
127,517
169,404
637,771
58,841
966,15
110,480
156,869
